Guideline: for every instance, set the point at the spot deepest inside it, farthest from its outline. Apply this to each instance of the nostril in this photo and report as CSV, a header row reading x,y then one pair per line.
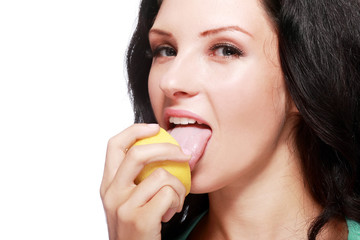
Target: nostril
x,y
180,94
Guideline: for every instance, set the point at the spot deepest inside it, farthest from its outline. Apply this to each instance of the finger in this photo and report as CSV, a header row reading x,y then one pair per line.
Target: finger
x,y
148,188
123,185
165,201
138,156
118,145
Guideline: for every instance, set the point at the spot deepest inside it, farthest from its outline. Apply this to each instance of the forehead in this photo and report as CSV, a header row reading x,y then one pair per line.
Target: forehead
x,y
194,16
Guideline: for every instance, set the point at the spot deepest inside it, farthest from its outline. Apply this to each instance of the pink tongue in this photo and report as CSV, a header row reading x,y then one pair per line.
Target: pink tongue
x,y
192,139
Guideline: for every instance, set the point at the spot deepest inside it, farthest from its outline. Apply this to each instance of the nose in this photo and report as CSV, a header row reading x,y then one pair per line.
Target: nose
x,y
180,79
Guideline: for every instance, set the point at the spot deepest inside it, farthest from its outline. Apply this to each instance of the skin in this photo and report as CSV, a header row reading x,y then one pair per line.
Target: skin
x,y
243,98
136,211
220,62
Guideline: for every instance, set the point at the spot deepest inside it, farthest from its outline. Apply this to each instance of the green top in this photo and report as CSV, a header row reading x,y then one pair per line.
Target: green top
x,y
353,227
354,230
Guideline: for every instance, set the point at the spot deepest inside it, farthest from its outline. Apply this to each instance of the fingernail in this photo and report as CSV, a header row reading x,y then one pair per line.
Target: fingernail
x,y
187,152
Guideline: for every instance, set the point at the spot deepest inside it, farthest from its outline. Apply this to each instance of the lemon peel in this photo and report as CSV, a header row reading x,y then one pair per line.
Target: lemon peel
x,y
181,170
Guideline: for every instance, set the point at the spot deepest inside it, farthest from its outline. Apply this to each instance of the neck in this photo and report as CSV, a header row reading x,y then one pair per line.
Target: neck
x,y
273,205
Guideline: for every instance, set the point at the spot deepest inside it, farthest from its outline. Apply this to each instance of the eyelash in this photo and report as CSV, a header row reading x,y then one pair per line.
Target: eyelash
x,y
234,51
156,52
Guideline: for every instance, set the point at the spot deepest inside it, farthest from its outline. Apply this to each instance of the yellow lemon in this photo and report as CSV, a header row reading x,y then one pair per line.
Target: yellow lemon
x,y
181,170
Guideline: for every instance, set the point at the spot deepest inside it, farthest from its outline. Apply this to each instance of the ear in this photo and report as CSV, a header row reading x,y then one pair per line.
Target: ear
x,y
290,105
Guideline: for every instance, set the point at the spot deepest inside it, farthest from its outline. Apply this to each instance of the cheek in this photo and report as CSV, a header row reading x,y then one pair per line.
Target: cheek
x,y
252,96
251,117
251,112
155,94
255,118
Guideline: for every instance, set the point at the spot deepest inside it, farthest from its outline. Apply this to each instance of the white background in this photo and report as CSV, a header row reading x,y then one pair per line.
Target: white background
x,y
62,96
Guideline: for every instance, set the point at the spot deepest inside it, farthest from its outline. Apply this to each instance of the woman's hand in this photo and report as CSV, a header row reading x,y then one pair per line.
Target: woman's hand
x,y
136,211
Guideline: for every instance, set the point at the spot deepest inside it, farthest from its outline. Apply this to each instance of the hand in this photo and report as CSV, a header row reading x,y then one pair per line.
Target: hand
x,y
136,211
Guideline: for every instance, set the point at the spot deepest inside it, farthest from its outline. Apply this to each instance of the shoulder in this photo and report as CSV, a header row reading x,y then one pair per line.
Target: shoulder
x,y
354,230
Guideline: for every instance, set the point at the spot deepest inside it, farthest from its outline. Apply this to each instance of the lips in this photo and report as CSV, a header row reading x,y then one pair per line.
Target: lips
x,y
191,132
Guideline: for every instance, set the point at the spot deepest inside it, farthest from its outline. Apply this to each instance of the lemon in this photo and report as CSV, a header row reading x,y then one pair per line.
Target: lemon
x,y
181,170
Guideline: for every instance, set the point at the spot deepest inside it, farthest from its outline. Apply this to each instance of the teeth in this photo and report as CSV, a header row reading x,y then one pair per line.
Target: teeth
x,y
182,121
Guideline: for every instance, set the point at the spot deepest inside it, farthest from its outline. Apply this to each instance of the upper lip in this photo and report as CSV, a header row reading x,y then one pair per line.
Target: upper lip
x,y
170,112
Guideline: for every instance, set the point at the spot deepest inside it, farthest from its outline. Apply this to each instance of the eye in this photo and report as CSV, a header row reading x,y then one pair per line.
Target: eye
x,y
164,51
226,50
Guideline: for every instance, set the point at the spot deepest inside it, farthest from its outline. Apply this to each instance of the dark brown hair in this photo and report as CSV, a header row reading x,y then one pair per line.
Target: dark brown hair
x,y
319,47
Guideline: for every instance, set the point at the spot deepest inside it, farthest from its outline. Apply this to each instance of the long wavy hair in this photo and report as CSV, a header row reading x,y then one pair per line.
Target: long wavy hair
x,y
319,47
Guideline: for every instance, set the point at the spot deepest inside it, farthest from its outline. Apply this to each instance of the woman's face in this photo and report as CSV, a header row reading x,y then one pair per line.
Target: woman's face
x,y
217,60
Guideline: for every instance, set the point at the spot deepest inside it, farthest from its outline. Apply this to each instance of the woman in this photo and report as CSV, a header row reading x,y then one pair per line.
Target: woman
x,y
274,89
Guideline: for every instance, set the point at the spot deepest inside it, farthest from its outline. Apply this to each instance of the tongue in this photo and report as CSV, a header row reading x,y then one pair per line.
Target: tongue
x,y
193,140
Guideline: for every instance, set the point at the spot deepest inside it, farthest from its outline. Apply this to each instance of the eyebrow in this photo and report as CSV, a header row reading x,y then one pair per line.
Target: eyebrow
x,y
159,32
223,29
205,33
